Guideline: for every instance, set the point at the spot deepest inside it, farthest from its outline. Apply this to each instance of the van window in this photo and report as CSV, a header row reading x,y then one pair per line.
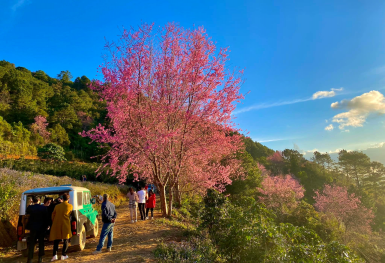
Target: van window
x,y
86,200
80,198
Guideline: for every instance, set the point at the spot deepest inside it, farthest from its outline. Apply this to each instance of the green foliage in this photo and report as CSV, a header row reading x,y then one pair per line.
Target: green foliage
x,y
258,151
51,151
70,107
59,135
248,183
244,231
7,195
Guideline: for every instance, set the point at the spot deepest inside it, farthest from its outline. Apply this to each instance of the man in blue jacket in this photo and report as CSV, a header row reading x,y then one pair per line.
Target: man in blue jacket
x,y
108,217
37,224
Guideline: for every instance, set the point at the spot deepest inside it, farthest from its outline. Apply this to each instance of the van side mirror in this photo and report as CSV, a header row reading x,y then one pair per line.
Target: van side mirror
x,y
93,201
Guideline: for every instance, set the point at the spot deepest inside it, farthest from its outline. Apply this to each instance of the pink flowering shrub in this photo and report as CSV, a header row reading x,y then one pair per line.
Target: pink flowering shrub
x,y
280,193
347,209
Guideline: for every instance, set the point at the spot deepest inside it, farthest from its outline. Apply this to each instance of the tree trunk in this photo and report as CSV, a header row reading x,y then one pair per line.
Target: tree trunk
x,y
170,202
162,196
178,195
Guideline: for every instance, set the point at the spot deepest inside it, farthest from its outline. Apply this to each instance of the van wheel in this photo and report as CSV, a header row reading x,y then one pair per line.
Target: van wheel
x,y
82,240
95,231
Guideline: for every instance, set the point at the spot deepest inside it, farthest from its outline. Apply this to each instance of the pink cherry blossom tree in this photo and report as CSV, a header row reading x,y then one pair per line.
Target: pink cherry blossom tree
x,y
280,193
346,208
169,99
276,163
40,127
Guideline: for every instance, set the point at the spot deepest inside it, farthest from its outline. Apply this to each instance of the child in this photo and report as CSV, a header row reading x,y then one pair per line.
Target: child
x,y
150,204
133,200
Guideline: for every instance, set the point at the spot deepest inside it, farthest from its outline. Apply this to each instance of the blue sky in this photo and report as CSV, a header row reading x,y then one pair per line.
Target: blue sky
x,y
289,49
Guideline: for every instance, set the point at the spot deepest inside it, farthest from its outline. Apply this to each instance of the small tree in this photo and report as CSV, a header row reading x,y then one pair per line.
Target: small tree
x,y
40,127
51,151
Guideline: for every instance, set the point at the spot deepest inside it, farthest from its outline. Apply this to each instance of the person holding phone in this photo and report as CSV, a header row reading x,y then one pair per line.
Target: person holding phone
x,y
108,217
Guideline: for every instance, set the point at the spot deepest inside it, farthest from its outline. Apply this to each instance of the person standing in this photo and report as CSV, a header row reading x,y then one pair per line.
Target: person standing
x,y
142,194
37,225
61,227
132,204
108,217
150,204
84,178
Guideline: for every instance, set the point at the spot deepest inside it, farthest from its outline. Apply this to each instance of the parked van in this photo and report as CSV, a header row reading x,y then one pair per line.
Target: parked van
x,y
84,219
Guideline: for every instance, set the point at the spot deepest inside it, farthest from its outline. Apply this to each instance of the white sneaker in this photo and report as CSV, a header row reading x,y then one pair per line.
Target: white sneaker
x,y
96,252
64,257
109,249
136,221
132,221
152,218
54,258
147,218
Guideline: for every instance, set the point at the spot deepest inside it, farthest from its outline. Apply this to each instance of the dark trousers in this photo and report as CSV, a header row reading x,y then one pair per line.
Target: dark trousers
x,y
141,210
36,234
152,211
56,247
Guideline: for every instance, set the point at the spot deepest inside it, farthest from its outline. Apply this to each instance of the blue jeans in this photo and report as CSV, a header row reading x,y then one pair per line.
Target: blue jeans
x,y
107,230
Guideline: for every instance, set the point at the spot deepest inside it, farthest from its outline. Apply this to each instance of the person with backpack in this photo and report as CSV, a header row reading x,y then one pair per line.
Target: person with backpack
x,y
150,204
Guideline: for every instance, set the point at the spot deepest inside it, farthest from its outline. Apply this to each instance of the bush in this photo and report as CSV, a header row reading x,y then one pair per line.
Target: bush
x,y
51,151
198,250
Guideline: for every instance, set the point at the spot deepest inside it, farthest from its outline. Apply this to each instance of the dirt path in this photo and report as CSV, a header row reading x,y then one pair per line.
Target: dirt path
x,y
132,242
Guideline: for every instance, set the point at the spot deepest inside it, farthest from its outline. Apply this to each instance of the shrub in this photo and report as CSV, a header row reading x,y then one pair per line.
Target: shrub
x,y
51,151
198,250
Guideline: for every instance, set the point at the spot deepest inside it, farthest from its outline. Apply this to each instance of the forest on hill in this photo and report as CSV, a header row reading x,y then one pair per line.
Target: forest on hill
x,y
283,206
36,108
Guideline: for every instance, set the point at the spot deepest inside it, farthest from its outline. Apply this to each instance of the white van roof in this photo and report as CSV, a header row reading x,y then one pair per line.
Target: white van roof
x,y
55,189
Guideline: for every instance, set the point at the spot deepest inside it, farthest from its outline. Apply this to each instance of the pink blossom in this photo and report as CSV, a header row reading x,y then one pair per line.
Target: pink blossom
x,y
279,191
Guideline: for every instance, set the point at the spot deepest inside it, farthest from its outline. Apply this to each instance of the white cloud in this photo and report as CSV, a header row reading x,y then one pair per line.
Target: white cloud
x,y
359,108
345,131
325,94
330,127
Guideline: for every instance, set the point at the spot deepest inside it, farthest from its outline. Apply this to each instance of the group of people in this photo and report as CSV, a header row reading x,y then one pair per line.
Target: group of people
x,y
144,200
53,218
